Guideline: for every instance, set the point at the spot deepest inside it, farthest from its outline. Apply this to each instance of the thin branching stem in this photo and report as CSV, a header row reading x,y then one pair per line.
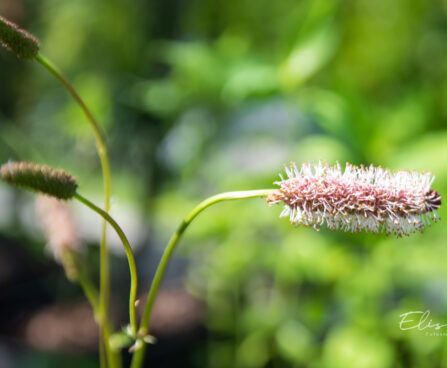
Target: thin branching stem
x,y
104,287
129,254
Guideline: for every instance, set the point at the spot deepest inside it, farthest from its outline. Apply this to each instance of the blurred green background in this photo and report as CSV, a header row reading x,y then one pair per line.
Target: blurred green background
x,y
198,97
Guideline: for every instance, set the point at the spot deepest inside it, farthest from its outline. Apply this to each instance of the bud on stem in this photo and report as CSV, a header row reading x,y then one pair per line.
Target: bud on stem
x,y
20,42
40,178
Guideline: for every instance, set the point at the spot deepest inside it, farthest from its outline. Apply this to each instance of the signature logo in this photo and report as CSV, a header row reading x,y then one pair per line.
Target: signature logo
x,y
421,321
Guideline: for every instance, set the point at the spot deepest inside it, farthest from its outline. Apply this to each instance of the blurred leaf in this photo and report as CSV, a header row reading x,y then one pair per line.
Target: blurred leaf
x,y
159,97
64,36
249,79
195,65
94,89
424,153
295,342
321,147
306,253
309,56
399,123
254,351
352,348
331,110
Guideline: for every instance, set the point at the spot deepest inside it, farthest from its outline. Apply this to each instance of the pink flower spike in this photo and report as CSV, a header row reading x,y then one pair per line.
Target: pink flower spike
x,y
370,199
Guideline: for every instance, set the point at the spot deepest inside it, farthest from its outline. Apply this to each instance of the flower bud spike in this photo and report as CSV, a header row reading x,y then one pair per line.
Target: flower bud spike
x,y
40,178
370,199
20,42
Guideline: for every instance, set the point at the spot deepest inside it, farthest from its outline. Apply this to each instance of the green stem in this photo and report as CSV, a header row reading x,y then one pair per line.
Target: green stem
x,y
90,292
138,357
92,295
129,254
103,155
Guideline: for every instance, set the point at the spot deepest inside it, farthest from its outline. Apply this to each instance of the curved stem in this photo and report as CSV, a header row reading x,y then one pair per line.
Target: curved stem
x,y
103,155
138,357
129,254
58,74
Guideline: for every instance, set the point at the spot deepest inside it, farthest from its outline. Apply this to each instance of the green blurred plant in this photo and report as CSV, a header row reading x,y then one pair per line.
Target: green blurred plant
x,y
378,96
63,186
27,47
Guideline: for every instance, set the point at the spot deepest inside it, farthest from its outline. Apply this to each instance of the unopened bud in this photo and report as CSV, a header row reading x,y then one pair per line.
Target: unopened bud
x,y
20,42
40,178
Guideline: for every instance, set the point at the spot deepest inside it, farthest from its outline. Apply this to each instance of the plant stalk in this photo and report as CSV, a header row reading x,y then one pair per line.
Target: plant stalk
x,y
90,292
103,307
129,254
138,357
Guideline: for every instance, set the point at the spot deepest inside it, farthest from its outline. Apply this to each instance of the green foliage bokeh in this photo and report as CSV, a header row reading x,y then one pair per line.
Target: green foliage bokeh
x,y
200,97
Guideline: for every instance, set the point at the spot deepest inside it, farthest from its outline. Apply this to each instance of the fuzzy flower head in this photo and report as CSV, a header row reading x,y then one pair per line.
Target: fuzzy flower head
x,y
20,42
370,199
40,178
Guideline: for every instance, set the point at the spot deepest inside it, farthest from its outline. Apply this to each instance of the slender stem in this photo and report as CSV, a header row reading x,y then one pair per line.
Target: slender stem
x,y
144,326
90,292
92,295
58,74
102,354
129,254
103,155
